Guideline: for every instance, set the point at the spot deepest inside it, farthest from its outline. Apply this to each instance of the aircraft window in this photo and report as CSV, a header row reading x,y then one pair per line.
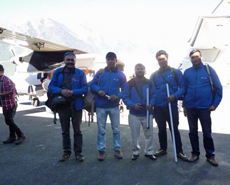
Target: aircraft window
x,y
39,76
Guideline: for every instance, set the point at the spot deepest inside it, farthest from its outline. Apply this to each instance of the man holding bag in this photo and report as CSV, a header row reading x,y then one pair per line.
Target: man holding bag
x,y
70,82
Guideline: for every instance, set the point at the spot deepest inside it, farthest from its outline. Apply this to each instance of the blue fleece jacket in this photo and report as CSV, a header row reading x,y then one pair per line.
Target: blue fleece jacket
x,y
160,85
78,83
111,82
197,88
131,97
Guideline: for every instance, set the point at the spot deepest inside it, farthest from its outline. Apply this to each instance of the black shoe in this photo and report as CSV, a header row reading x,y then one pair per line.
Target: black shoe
x,y
182,156
193,158
152,157
9,140
160,153
64,157
212,161
20,140
134,157
80,158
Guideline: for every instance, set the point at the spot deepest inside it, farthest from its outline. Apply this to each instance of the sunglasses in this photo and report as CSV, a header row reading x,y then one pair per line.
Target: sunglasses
x,y
70,59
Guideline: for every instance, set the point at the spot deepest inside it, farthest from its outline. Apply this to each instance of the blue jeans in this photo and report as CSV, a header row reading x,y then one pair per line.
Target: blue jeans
x,y
205,119
162,116
114,115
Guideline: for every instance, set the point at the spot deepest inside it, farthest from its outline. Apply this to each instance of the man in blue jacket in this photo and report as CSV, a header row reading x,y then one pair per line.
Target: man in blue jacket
x,y
70,82
199,101
135,97
107,85
173,77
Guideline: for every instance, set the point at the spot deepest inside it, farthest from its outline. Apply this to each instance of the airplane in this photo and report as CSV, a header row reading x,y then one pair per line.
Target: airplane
x,y
211,36
41,56
44,56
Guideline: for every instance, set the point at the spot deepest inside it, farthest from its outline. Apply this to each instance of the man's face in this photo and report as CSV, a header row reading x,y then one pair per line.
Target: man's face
x,y
70,61
195,58
139,71
162,60
111,62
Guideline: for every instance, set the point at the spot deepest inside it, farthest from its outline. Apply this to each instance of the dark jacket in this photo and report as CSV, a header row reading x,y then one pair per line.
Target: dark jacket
x,y
111,82
160,85
197,88
78,83
131,97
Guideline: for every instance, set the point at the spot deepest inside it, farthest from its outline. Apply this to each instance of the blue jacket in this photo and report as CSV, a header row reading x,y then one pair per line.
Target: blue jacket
x,y
160,85
131,97
79,85
197,88
110,82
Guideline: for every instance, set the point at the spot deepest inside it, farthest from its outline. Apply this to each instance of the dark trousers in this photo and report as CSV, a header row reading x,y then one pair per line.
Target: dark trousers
x,y
205,119
65,113
162,116
9,119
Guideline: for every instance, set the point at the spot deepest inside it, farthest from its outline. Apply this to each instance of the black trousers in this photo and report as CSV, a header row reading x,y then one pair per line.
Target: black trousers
x,y
9,119
162,116
66,113
206,123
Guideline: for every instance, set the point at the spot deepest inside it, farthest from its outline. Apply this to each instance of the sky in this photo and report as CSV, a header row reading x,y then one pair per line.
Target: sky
x,y
164,23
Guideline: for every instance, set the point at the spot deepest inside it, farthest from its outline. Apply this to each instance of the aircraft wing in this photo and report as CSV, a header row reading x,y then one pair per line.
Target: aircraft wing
x,y
45,56
211,34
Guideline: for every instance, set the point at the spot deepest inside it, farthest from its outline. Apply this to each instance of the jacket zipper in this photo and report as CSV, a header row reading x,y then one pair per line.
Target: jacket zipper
x,y
195,89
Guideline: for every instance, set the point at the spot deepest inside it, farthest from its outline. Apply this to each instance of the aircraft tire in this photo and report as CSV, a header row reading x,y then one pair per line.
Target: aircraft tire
x,y
35,102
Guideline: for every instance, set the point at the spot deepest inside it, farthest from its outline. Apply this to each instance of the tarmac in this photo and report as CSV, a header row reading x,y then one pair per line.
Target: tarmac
x,y
35,162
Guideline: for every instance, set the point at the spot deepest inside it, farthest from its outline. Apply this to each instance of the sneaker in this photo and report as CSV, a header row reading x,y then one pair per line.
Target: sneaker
x,y
212,161
134,157
80,158
64,157
193,158
20,140
101,156
9,140
182,156
152,157
118,154
160,153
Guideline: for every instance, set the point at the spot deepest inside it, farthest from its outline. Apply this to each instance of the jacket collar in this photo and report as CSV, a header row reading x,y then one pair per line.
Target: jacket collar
x,y
199,66
168,68
115,69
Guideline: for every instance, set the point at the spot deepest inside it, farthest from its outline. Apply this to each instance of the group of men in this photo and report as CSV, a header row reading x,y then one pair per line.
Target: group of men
x,y
144,98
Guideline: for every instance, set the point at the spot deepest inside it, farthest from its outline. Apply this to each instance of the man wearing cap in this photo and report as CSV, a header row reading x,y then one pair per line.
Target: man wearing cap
x,y
107,85
9,106
70,82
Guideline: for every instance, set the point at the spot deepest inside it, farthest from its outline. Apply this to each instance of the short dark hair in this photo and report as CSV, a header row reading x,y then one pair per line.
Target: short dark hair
x,y
161,52
111,55
139,64
194,51
69,53
1,68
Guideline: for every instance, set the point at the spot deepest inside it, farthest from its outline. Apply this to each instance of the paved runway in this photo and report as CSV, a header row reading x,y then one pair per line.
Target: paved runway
x,y
35,162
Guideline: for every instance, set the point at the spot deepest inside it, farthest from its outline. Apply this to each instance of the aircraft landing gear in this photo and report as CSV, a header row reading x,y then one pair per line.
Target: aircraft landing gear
x,y
35,102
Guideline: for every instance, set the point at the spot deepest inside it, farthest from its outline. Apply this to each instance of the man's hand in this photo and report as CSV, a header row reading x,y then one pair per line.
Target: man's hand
x,y
212,108
67,93
149,107
138,106
185,111
113,97
101,93
171,98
